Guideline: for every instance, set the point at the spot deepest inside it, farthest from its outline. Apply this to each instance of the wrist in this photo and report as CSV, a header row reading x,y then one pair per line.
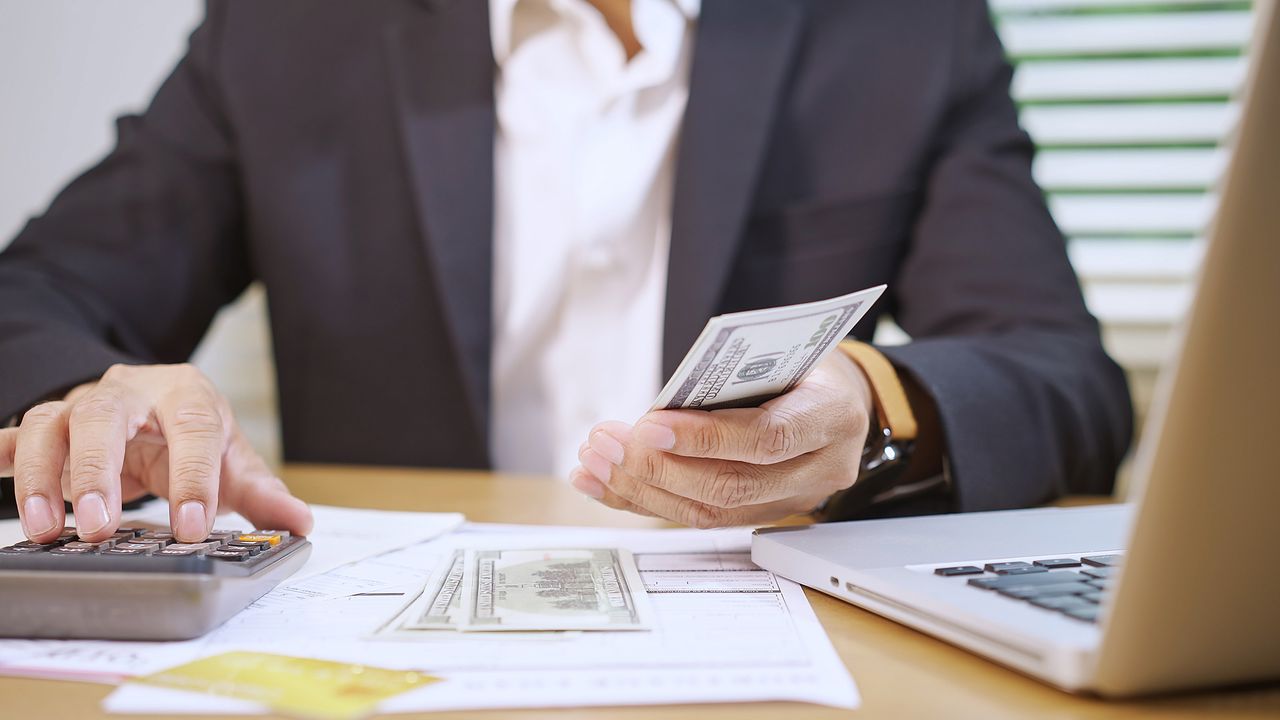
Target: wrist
x,y
863,391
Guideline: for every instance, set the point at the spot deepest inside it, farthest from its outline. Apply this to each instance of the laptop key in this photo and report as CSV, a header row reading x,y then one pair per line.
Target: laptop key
x,y
1012,568
1088,613
1026,592
1100,572
1100,583
1102,560
1055,563
1041,578
958,570
1094,596
1060,602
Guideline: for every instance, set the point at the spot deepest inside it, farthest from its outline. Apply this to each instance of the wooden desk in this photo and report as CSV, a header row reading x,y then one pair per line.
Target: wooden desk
x,y
900,673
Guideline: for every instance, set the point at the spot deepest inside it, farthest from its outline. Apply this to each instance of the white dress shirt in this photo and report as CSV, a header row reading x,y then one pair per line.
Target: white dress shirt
x,y
584,162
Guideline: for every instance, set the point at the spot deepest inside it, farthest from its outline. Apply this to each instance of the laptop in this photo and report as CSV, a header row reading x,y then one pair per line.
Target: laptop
x,y
1179,589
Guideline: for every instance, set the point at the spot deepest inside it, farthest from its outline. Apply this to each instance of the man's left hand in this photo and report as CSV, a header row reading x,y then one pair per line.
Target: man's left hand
x,y
738,466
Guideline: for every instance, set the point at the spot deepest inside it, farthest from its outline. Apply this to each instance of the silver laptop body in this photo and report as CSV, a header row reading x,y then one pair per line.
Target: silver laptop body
x,y
1195,600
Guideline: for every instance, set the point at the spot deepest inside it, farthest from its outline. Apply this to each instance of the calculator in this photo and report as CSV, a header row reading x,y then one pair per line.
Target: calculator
x,y
139,584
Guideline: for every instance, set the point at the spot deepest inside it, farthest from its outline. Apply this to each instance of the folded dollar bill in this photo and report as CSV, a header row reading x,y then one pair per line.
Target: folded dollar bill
x,y
552,589
440,605
744,359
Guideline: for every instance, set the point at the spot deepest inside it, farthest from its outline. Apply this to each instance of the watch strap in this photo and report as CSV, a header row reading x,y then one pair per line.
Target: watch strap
x,y
890,398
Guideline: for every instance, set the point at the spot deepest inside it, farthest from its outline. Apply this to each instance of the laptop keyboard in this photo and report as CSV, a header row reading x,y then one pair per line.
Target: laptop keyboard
x,y
1074,586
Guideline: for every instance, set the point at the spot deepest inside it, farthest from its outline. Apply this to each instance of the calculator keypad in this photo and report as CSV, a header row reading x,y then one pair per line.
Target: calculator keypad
x,y
232,547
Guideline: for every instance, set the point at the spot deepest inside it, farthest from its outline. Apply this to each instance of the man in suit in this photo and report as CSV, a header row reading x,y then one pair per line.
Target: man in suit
x,y
484,227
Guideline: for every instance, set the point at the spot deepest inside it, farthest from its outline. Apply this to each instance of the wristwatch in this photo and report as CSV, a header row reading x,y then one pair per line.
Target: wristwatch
x,y
887,450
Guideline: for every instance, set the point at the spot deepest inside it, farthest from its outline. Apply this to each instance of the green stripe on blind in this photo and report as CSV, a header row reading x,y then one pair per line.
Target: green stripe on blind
x,y
1129,102
1110,7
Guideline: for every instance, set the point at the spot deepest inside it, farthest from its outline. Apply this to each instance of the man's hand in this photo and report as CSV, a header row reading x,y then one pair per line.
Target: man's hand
x,y
739,466
160,429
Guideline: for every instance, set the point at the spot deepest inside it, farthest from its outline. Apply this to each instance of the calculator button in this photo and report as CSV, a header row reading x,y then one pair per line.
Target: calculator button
x,y
130,532
36,545
225,535
134,548
229,555
92,547
260,537
155,535
129,551
15,550
252,547
64,550
187,548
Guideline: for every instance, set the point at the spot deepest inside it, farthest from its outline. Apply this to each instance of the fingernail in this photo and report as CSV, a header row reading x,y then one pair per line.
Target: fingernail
x,y
654,435
189,525
91,513
588,485
37,516
603,443
597,465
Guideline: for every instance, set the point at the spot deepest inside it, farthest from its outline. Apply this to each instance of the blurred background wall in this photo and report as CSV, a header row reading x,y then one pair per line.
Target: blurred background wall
x,y
68,68
1130,102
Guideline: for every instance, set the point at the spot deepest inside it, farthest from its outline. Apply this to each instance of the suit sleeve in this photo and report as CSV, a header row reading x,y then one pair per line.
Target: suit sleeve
x,y
1031,405
132,259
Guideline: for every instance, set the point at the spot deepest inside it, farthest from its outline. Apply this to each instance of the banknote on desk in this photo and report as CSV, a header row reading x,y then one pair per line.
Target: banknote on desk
x,y
553,589
528,590
746,358
440,605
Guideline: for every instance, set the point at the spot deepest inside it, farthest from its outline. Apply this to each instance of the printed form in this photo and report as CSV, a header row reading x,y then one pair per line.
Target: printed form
x,y
725,631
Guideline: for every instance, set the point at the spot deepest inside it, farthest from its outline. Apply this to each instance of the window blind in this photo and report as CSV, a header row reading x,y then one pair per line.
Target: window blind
x,y
1130,103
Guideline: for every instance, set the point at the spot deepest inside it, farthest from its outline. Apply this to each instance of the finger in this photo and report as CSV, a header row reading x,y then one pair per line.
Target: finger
x,y
789,426
38,459
588,485
691,512
98,429
718,483
192,421
656,500
8,444
251,489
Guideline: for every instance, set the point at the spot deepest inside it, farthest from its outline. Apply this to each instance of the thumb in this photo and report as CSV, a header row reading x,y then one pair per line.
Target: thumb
x,y
8,445
250,488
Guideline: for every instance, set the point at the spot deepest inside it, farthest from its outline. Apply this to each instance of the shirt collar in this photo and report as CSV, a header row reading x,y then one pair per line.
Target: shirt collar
x,y
500,19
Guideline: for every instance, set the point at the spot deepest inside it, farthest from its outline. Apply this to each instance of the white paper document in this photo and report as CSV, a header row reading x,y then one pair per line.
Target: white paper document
x,y
342,535
723,631
364,558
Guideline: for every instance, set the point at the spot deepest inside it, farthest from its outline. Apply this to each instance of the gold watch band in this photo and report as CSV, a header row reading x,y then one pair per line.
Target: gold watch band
x,y
892,406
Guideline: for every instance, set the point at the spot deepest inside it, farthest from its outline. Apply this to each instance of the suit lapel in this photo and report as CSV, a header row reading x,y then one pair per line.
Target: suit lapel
x,y
742,54
442,74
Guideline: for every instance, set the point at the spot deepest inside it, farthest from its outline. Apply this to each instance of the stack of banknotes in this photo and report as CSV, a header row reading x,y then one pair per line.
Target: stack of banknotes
x,y
529,590
746,358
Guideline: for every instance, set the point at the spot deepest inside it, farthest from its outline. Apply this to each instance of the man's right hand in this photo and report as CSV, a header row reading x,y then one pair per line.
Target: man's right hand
x,y
159,429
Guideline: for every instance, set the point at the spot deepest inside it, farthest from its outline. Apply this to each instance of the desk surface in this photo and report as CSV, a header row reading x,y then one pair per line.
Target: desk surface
x,y
900,672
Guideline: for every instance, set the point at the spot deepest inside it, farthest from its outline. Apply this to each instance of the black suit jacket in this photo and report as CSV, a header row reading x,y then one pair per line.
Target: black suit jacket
x,y
342,154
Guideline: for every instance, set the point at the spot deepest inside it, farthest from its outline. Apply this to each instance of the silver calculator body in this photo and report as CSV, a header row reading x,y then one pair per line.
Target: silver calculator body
x,y
140,584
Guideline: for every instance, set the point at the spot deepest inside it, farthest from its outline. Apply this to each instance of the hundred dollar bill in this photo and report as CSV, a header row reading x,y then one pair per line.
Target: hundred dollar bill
x,y
440,605
744,359
553,589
